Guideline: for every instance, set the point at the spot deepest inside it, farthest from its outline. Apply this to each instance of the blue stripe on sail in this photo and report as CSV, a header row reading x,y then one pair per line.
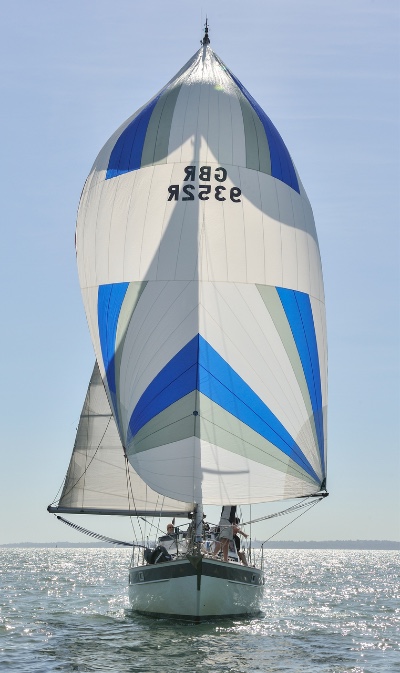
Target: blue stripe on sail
x,y
109,302
199,366
297,307
281,163
174,381
219,382
127,152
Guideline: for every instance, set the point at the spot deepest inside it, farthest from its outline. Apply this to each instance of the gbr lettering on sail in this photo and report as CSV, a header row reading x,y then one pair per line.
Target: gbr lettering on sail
x,y
213,190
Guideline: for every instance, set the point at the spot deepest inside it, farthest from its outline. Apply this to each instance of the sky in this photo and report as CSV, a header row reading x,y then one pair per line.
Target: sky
x,y
327,74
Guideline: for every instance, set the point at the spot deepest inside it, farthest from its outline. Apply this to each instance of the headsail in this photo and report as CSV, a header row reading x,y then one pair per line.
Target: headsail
x,y
99,479
201,278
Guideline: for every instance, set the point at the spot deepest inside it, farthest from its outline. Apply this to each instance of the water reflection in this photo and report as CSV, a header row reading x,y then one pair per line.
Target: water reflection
x,y
326,611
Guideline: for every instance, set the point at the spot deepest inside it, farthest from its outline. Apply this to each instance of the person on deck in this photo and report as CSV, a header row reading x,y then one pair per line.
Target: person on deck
x,y
227,529
240,552
170,529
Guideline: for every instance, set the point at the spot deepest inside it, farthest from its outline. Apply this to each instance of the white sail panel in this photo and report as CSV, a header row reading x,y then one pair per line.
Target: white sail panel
x,y
224,484
149,227
99,478
196,202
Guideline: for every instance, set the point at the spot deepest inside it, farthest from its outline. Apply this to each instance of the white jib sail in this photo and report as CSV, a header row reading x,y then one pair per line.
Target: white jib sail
x,y
99,479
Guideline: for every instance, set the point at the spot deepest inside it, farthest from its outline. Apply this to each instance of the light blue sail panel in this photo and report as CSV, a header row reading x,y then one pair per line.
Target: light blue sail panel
x,y
219,382
109,302
297,307
281,163
199,367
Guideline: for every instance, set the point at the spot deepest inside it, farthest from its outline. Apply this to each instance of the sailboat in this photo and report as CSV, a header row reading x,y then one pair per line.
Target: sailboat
x,y
201,278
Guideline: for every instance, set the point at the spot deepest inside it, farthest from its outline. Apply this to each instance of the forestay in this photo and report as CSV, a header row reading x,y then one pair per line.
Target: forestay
x,y
201,278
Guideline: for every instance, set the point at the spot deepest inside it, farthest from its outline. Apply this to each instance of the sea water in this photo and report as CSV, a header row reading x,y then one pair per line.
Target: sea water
x,y
323,611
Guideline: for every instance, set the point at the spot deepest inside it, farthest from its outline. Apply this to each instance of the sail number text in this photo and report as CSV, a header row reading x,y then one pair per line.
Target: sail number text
x,y
204,192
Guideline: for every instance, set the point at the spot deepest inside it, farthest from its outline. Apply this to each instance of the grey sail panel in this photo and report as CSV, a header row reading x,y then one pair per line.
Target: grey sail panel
x,y
99,479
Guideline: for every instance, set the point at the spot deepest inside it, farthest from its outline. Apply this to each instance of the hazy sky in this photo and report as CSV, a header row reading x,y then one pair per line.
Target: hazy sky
x,y
327,73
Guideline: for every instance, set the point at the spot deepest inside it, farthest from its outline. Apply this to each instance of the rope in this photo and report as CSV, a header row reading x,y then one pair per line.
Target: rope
x,y
310,506
289,510
131,496
129,491
103,538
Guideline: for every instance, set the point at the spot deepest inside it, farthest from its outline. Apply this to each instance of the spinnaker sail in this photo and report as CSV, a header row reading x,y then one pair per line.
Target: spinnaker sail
x,y
201,278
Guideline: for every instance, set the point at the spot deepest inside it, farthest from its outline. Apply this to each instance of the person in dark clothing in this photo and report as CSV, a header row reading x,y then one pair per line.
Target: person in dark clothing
x,y
236,540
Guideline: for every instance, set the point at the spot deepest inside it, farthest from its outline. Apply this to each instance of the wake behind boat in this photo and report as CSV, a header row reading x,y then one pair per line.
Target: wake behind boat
x,y
201,278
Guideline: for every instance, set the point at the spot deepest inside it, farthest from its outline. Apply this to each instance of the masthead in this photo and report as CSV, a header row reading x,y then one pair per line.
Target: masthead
x,y
206,39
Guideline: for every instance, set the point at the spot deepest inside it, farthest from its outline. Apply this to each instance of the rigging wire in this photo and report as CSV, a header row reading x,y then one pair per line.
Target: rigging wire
x,y
310,506
152,525
289,510
129,491
87,466
56,499
122,543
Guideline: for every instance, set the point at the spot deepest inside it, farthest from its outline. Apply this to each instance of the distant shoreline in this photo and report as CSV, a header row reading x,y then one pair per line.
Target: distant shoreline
x,y
384,545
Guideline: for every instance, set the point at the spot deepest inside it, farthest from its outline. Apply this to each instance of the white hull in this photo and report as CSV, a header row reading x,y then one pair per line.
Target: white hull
x,y
180,589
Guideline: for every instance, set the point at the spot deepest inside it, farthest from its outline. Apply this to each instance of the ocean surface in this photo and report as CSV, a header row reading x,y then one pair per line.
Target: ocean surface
x,y
324,611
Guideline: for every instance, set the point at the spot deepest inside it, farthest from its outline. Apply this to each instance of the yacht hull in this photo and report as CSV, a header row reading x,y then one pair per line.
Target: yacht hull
x,y
195,589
